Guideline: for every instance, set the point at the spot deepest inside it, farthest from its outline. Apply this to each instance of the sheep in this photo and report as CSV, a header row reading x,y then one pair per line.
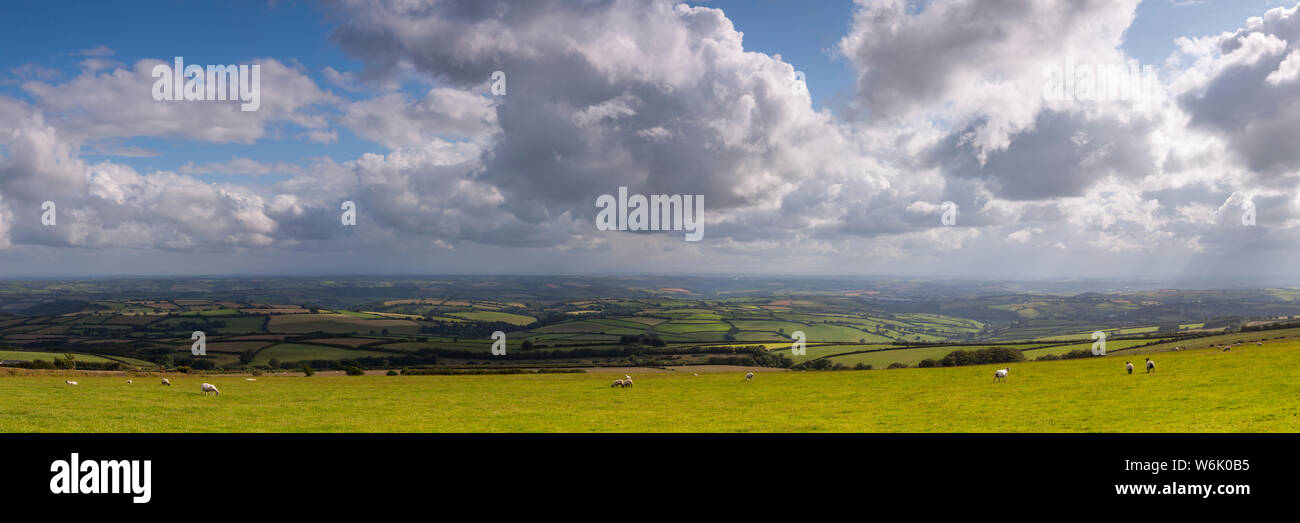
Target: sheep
x,y
167,382
70,382
618,383
749,377
205,388
1129,365
1226,349
1259,344
1001,374
627,382
250,379
1151,366
129,381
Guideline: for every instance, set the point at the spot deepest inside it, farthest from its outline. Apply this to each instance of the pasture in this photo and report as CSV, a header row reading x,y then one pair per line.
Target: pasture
x,y
1251,389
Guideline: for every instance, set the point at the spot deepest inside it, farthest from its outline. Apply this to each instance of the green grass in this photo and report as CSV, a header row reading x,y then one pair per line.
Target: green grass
x,y
1252,389
682,327
513,319
291,352
51,356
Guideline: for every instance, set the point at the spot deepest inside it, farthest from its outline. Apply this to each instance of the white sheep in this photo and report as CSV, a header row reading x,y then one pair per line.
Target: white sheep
x,y
129,381
1001,374
250,379
167,382
627,382
208,387
1151,366
1129,365
618,383
1259,344
70,382
749,376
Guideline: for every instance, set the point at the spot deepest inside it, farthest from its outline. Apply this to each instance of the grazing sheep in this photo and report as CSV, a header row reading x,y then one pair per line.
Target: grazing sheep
x,y
1151,366
129,381
1129,365
1226,349
208,387
627,382
618,383
1259,344
749,376
167,382
70,382
1001,374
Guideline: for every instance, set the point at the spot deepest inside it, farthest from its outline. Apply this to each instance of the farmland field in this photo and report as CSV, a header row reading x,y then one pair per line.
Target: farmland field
x,y
1194,391
291,352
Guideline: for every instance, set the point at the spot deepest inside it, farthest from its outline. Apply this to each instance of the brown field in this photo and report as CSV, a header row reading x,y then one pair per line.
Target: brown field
x,y
274,311
430,301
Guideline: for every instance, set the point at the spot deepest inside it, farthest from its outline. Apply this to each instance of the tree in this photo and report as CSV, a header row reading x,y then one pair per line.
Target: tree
x,y
307,370
246,357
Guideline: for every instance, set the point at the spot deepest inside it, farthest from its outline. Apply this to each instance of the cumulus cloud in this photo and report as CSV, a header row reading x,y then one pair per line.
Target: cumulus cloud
x,y
104,102
109,205
949,105
1241,86
977,64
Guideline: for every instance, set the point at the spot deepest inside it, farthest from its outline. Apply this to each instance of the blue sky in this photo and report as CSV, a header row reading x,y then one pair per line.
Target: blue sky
x,y
804,33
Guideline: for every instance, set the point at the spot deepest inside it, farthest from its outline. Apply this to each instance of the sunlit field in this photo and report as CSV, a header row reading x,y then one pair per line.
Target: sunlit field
x,y
1251,389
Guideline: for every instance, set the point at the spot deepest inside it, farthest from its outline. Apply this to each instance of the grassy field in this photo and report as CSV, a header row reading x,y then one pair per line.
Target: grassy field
x,y
1252,389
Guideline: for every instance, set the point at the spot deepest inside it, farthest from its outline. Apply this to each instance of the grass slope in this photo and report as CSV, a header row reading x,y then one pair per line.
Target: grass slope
x,y
1252,389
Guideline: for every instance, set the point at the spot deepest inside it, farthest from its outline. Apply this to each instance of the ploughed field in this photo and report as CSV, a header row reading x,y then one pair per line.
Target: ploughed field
x,y
1250,388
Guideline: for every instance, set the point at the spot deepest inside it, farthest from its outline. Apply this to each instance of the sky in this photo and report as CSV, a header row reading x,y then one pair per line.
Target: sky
x,y
926,138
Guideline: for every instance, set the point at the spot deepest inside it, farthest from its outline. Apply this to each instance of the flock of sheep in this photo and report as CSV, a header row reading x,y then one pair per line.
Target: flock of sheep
x,y
204,388
999,375
626,380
